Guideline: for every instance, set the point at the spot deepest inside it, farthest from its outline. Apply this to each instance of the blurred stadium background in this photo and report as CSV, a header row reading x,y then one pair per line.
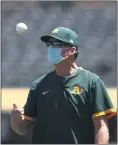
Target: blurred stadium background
x,y
24,56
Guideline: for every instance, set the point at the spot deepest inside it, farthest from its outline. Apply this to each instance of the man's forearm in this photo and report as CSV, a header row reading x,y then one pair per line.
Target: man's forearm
x,y
102,136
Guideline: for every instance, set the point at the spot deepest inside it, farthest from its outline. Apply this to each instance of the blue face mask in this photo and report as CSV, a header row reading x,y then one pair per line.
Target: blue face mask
x,y
54,55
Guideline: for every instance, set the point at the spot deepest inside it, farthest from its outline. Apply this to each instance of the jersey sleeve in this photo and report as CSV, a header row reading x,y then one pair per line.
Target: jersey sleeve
x,y
31,104
101,102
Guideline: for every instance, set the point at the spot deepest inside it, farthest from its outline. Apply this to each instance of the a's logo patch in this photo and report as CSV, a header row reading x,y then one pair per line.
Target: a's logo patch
x,y
77,90
55,30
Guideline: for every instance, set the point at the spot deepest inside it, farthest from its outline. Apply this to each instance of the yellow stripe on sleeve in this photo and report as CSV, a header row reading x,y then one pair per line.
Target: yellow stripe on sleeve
x,y
110,113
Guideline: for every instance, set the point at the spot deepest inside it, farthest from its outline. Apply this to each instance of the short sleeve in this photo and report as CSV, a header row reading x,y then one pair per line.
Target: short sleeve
x,y
30,107
100,101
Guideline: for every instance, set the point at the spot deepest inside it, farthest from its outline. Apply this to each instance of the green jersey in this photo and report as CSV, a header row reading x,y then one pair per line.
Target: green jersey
x,y
65,106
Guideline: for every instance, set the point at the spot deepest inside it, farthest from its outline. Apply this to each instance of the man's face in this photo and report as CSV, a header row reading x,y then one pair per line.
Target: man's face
x,y
67,49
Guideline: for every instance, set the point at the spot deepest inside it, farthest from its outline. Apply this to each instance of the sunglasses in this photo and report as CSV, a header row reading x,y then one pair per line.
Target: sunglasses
x,y
58,44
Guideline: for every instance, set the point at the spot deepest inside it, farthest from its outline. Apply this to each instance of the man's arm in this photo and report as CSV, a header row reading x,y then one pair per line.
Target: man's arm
x,y
102,111
101,131
23,120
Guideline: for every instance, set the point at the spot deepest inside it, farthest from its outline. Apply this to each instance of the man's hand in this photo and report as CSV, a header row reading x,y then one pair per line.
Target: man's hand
x,y
17,113
16,116
18,123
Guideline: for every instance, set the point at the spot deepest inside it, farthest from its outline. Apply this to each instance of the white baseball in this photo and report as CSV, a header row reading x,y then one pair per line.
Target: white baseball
x,y
21,28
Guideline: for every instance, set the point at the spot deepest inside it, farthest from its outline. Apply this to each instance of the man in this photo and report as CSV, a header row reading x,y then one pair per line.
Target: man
x,y
69,105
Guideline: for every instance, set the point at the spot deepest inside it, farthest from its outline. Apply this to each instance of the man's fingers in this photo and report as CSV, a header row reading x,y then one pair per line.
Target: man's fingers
x,y
17,110
14,106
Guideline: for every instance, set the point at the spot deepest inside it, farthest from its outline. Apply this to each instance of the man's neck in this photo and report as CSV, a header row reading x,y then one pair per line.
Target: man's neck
x,y
66,70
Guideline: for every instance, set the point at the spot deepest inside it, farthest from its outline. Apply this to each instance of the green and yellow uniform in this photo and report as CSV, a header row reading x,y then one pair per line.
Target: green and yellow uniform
x,y
65,106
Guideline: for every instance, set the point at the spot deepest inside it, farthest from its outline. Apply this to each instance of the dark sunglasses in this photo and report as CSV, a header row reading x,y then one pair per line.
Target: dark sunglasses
x,y
58,44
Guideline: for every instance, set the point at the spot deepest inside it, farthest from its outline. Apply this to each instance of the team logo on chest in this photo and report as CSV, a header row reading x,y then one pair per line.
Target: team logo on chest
x,y
77,90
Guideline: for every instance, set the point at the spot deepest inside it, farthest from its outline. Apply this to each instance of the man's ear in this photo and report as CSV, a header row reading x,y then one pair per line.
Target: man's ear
x,y
73,50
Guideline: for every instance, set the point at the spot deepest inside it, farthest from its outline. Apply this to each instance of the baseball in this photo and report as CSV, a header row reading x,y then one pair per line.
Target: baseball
x,y
21,28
